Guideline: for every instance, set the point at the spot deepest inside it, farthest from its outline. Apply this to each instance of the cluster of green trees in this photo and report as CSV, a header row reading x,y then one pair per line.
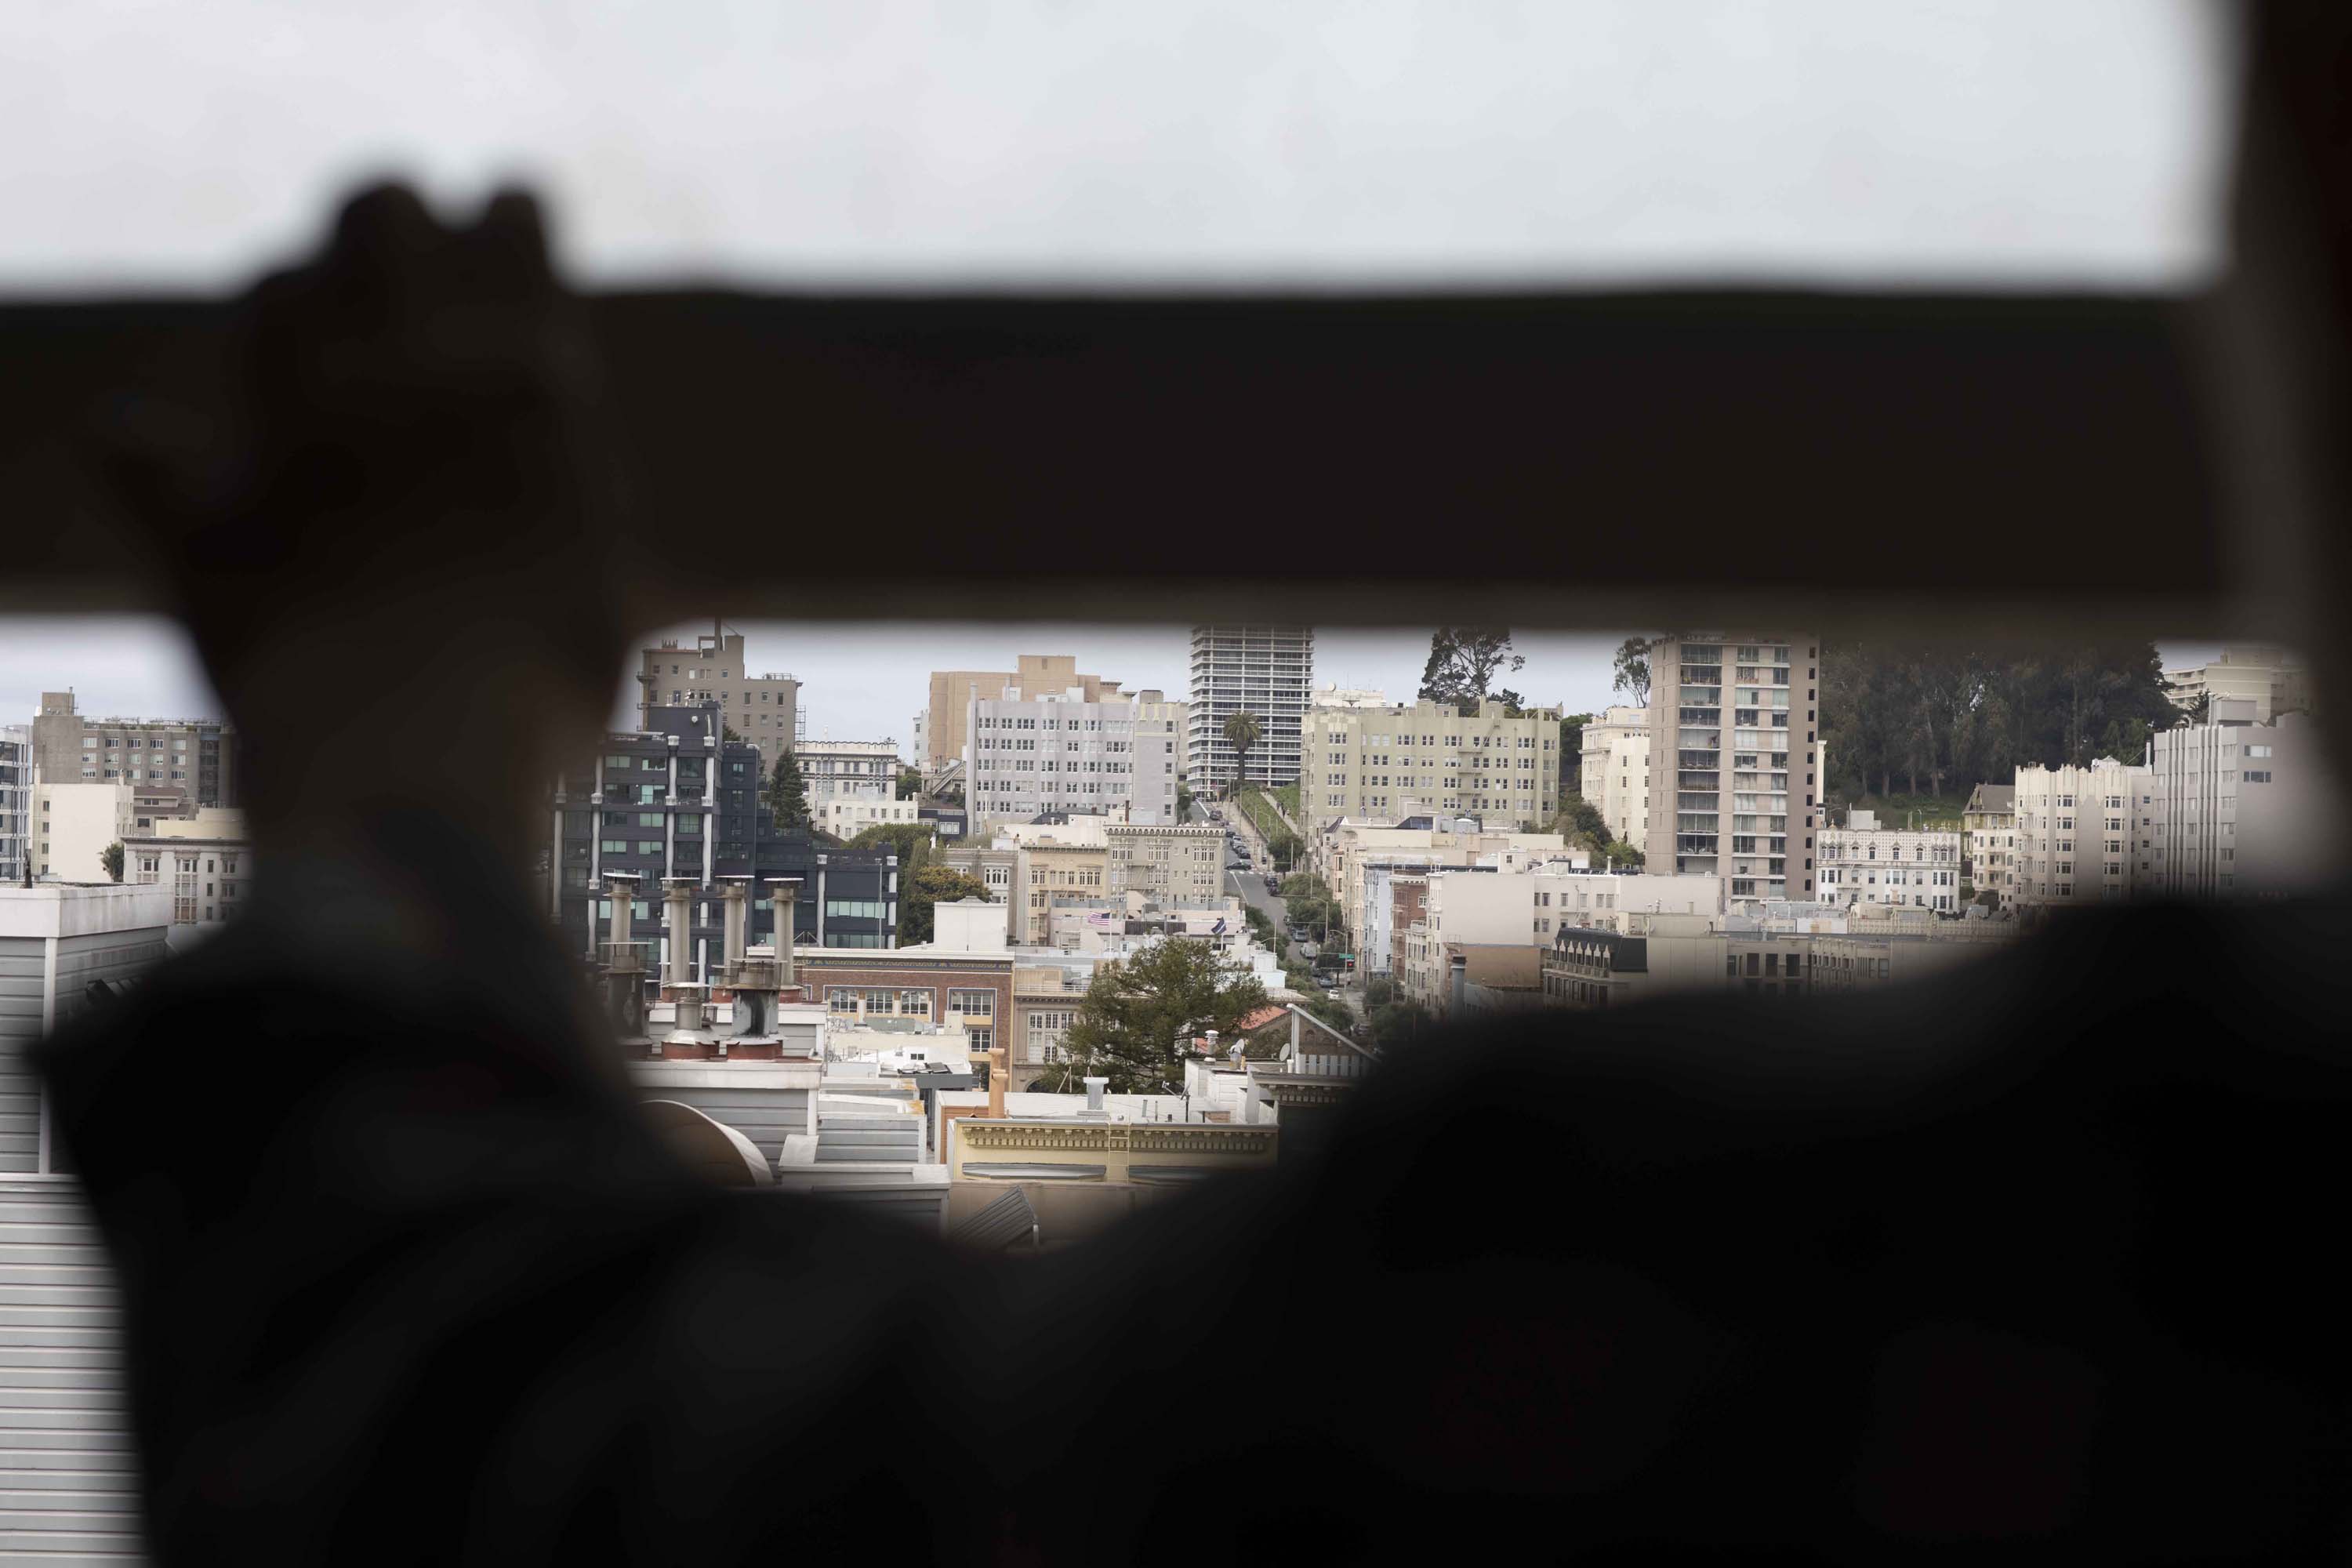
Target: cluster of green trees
x,y
1948,719
1580,824
1308,902
1391,1022
1463,664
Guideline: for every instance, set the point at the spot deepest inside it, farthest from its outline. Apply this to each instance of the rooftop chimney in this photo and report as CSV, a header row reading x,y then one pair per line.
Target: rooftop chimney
x,y
788,890
620,956
1094,1087
739,922
679,892
996,1059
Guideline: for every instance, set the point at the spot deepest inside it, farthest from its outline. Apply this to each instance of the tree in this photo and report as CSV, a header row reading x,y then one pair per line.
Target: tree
x,y
1242,731
1183,801
1141,1014
928,886
1463,664
1633,667
111,858
787,793
1580,821
1572,747
911,784
727,733
911,840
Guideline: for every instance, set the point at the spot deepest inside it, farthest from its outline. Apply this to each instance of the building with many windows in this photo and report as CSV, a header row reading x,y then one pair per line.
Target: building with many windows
x,y
1395,762
193,761
946,722
677,802
2271,679
1170,863
2078,833
847,816
1027,756
715,671
1614,771
16,800
1733,733
206,861
1863,863
835,770
1988,843
2235,809
1267,671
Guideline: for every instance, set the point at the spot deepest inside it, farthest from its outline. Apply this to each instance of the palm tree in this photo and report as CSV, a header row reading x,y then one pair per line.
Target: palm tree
x,y
1242,732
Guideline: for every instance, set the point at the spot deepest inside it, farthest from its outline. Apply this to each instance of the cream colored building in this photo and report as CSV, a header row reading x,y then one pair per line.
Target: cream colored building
x,y
1048,873
1615,768
1988,845
1863,863
2077,833
206,861
2235,809
763,708
72,823
1733,728
846,816
1343,851
2271,678
1168,864
1058,751
1395,762
946,718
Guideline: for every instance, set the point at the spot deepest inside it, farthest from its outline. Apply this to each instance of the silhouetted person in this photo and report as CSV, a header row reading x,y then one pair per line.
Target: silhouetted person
x,y
2034,1260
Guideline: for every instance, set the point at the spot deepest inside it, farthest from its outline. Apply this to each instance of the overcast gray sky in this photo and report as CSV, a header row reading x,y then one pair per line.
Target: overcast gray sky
x,y
868,141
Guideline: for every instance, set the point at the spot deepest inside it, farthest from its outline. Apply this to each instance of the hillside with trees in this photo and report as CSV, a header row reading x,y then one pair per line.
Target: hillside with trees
x,y
1938,721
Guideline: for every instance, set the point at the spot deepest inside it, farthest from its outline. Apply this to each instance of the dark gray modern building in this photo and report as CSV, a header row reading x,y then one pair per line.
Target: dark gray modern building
x,y
672,802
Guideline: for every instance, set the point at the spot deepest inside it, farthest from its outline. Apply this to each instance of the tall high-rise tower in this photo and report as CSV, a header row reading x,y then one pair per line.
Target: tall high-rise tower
x,y
1267,671
1733,722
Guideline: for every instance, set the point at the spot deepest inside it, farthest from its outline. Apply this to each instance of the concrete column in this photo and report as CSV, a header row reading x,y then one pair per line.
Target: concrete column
x,y
736,904
710,798
681,895
820,901
787,892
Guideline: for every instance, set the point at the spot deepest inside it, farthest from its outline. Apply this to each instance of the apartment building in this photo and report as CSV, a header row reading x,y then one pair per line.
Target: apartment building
x,y
1171,863
1614,771
1736,714
2235,808
2075,832
1388,764
206,861
1265,670
1058,751
1589,968
1344,852
847,816
1338,696
714,672
1864,863
946,718
1564,896
1988,843
836,770
193,761
676,802
1051,873
16,800
2273,678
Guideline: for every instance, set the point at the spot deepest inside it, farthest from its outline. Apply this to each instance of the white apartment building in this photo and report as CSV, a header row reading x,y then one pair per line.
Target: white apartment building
x,y
2271,678
1173,863
836,770
2075,832
1395,763
1338,696
72,824
847,816
1604,901
1733,726
1265,670
1863,863
1614,767
206,861
2235,809
1026,756
1988,843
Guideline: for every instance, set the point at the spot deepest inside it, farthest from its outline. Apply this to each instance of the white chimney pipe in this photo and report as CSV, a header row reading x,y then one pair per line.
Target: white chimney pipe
x,y
787,896
737,905
1094,1087
680,895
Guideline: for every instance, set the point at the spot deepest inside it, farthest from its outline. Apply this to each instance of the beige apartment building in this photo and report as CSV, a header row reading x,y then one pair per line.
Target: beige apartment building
x,y
1734,729
174,765
1988,842
946,718
764,709
2235,809
2076,838
1176,865
1388,764
1049,874
1863,863
2272,678
72,823
1614,771
206,860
